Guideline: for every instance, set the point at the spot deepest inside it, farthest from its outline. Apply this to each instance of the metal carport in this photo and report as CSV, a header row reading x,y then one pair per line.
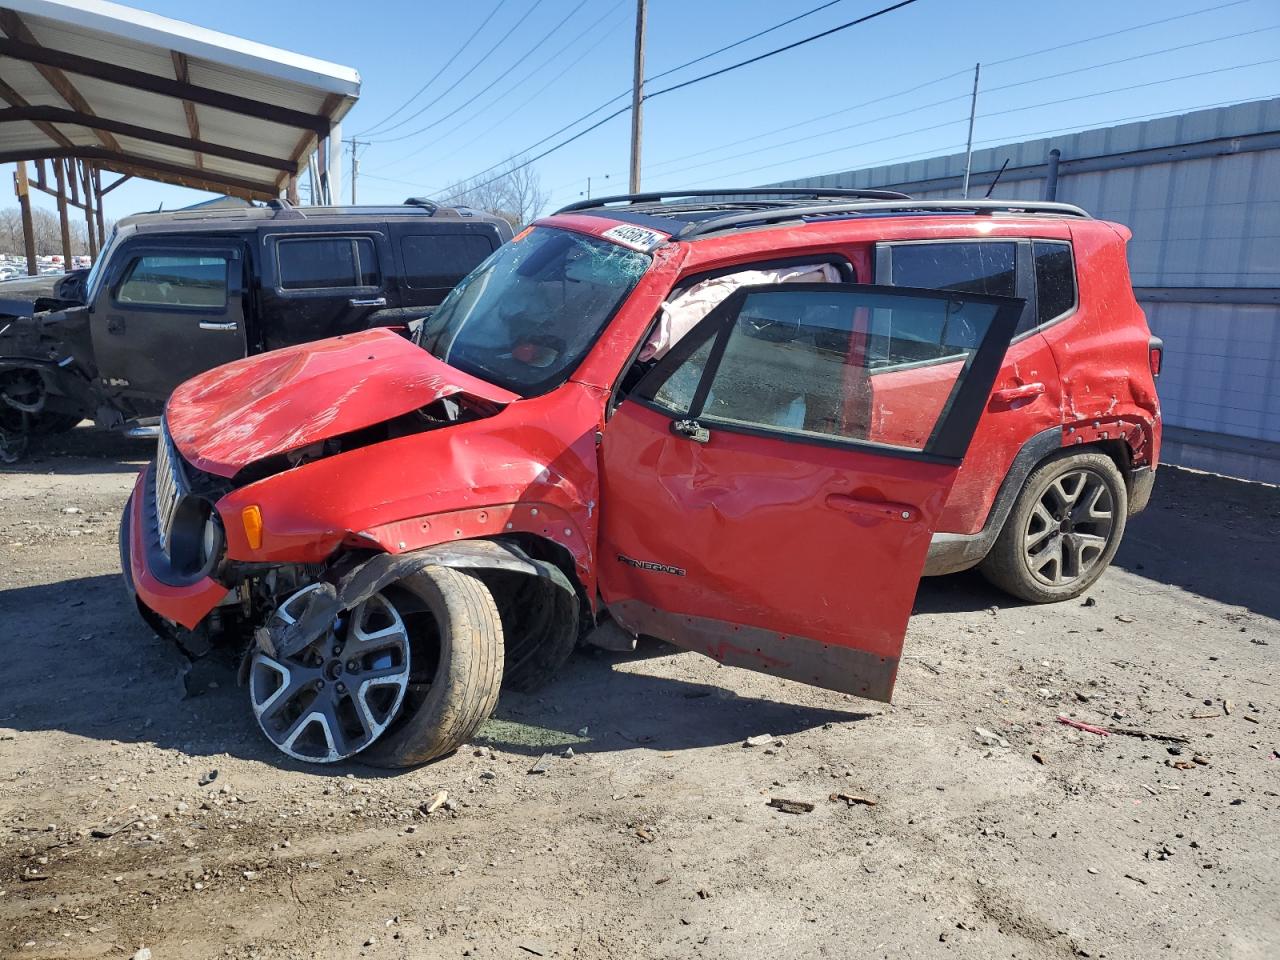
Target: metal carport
x,y
94,86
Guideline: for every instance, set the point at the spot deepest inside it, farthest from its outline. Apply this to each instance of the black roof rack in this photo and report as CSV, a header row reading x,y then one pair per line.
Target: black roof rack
x,y
988,207
734,196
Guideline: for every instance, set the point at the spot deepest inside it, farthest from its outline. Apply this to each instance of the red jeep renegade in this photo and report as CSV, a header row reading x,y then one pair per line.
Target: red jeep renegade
x,y
745,423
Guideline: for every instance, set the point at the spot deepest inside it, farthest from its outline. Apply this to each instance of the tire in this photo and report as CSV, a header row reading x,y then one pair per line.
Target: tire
x,y
456,668
1063,529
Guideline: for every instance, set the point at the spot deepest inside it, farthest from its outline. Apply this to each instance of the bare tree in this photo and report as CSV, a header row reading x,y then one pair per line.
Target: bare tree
x,y
47,230
514,193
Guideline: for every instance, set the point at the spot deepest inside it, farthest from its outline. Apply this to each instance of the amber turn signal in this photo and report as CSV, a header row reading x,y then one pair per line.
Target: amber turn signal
x,y
251,517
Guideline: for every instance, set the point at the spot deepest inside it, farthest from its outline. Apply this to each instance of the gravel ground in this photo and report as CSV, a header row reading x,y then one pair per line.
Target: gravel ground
x,y
650,834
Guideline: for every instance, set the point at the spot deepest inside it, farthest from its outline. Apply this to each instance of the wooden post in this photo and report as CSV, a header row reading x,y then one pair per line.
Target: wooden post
x,y
291,191
97,207
637,96
22,189
87,184
61,177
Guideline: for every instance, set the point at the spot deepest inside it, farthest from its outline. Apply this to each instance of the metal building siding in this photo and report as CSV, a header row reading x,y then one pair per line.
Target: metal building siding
x,y
1208,220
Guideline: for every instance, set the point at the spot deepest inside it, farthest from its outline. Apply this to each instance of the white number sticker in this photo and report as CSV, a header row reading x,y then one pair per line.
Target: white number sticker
x,y
637,238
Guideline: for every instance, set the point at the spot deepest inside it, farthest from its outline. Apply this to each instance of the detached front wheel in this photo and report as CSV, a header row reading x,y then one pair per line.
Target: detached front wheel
x,y
1063,530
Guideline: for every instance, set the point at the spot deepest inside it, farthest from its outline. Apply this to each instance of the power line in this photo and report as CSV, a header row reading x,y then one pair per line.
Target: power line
x,y
675,69
986,90
738,43
1032,106
1006,139
587,50
436,76
773,53
1116,33
649,96
825,116
533,5
1138,56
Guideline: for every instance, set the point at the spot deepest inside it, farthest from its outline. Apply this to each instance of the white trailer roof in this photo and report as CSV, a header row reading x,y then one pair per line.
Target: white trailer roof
x,y
147,96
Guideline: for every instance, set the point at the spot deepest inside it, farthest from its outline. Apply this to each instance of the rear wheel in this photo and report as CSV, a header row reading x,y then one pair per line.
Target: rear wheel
x,y
1063,530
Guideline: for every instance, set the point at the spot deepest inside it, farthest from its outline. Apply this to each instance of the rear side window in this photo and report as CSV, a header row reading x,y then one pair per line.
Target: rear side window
x,y
986,266
1055,280
441,259
318,263
188,280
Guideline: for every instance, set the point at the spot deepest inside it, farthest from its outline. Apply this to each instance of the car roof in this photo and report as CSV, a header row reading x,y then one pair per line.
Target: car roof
x,y
691,214
212,218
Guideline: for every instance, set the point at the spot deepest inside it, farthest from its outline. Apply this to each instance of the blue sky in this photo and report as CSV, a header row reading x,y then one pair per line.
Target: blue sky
x,y
718,133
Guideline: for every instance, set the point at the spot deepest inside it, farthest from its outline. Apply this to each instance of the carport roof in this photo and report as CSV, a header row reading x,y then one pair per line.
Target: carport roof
x,y
147,96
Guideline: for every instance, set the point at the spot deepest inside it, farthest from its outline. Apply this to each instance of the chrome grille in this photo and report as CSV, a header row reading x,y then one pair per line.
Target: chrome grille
x,y
171,484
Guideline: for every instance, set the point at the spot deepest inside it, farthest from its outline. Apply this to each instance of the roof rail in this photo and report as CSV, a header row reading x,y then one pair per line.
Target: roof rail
x,y
764,193
429,205
987,207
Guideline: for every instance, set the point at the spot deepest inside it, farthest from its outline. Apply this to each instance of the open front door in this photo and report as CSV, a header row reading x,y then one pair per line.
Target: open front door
x,y
762,505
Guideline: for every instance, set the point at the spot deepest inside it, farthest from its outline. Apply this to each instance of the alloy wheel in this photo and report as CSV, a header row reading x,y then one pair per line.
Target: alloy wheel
x,y
1069,528
337,695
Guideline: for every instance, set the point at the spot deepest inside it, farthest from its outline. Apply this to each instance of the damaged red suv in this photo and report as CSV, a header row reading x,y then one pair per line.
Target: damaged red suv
x,y
745,423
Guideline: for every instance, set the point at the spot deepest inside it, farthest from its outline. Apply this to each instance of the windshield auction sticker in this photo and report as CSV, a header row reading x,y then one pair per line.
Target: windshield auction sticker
x,y
637,238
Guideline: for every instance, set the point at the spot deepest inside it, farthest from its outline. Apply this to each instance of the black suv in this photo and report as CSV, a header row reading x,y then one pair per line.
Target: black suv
x,y
175,294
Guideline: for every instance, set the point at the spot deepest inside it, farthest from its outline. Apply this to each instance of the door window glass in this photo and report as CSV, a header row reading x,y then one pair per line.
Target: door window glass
x,y
319,263
803,362
442,259
1055,280
184,280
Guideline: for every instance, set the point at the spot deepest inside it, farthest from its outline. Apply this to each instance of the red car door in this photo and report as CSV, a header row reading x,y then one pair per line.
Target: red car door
x,y
749,510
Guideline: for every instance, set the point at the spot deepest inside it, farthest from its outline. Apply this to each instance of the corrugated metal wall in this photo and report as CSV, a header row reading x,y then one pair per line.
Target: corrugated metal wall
x,y
1201,193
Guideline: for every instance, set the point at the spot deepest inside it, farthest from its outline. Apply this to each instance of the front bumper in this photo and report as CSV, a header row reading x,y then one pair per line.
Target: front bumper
x,y
145,568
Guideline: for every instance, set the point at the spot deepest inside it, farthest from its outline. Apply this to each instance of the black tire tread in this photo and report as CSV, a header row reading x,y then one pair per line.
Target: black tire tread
x,y
465,690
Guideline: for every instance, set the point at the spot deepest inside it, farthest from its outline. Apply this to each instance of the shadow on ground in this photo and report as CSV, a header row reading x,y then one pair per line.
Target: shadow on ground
x,y
84,450
1209,535
100,673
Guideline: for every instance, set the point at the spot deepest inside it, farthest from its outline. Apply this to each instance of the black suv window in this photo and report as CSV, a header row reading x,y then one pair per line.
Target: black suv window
x,y
318,263
1055,279
441,259
182,280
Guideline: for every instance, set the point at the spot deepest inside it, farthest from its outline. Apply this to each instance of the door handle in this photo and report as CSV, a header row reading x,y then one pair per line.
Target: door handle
x,y
1024,392
115,324
879,509
368,302
219,325
691,430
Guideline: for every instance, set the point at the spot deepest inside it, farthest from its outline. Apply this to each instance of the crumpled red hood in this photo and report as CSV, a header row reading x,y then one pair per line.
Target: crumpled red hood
x,y
261,406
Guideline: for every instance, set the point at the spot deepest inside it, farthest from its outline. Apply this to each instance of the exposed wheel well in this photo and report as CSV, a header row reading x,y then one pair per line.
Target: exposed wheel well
x,y
541,622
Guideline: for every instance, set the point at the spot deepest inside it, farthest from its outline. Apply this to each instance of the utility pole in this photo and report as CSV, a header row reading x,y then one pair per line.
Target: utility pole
x,y
637,97
355,165
973,112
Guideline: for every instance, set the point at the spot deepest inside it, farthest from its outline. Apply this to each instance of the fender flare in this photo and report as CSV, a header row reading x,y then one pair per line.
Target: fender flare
x,y
330,599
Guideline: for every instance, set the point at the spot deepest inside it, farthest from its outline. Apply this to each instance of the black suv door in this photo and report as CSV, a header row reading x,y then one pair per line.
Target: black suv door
x,y
320,283
166,312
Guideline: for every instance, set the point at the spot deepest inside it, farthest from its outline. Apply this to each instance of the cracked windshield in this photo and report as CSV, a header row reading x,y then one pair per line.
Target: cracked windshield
x,y
526,317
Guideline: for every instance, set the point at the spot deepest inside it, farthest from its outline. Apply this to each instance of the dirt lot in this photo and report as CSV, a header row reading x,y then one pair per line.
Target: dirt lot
x,y
654,838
